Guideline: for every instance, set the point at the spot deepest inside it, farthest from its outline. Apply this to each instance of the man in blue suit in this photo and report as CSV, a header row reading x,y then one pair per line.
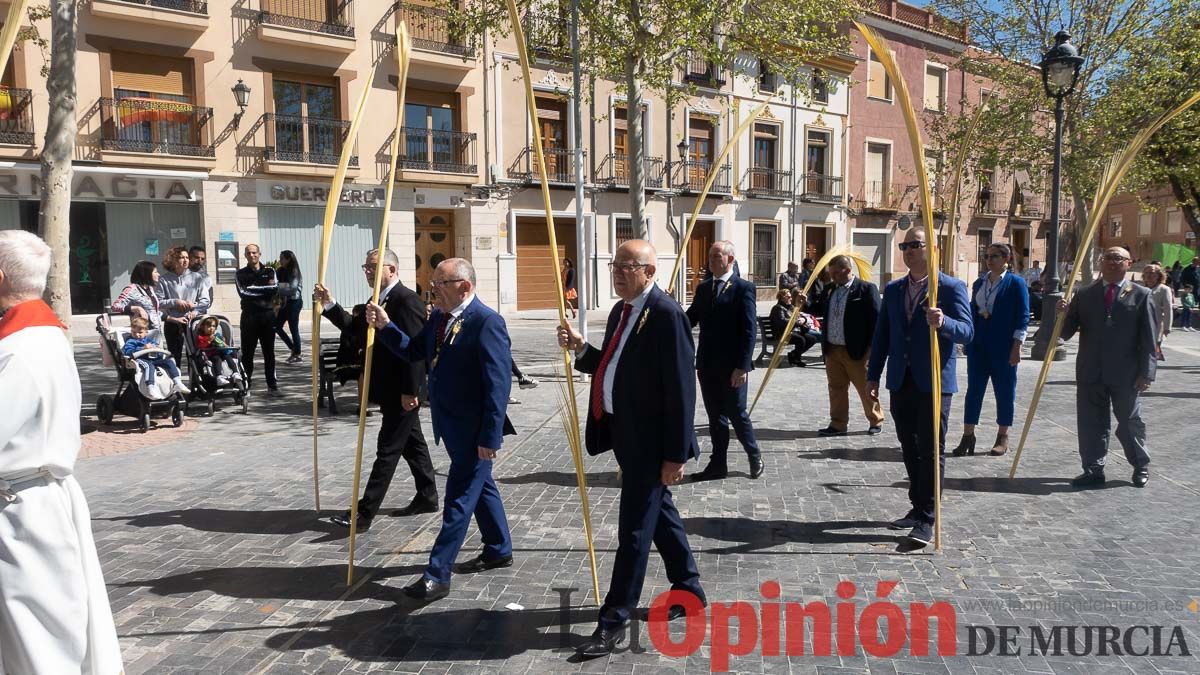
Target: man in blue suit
x,y
642,407
724,308
901,342
468,356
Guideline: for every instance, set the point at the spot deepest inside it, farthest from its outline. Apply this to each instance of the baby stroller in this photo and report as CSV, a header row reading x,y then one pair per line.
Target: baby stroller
x,y
135,397
211,377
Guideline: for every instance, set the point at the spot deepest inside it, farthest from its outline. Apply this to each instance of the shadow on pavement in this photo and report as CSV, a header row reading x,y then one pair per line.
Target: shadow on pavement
x,y
601,479
754,535
290,521
322,582
855,454
768,434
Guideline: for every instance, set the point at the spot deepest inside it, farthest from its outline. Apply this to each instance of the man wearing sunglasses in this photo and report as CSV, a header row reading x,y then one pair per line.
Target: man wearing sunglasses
x,y
901,342
395,384
1116,363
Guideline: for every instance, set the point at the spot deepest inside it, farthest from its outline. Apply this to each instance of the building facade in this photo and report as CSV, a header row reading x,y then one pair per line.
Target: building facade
x,y
1151,225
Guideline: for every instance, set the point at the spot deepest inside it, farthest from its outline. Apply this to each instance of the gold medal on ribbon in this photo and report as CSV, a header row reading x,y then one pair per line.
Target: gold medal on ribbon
x,y
642,321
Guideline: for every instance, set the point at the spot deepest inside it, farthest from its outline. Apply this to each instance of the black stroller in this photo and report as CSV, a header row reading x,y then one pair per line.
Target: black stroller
x,y
214,376
129,399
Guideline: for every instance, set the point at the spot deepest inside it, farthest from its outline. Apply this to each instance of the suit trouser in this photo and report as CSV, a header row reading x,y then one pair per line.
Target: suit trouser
x,y
725,406
983,366
1092,403
470,489
912,412
259,327
842,371
647,514
399,436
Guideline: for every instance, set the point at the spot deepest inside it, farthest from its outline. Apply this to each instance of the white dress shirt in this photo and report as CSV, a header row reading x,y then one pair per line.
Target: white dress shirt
x,y
835,330
610,373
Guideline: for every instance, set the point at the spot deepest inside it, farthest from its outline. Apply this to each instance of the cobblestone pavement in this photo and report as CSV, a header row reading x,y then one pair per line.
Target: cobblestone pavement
x,y
217,563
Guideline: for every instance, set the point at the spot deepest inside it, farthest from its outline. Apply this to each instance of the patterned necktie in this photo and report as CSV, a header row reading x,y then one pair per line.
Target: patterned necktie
x,y
598,378
1110,294
441,334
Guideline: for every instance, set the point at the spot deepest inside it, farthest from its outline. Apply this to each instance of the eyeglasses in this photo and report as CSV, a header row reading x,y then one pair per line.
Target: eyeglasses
x,y
438,284
1116,258
907,245
371,268
625,267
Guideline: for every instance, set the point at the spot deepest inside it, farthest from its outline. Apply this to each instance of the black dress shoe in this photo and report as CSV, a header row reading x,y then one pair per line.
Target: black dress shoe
x,y
710,472
427,590
601,643
674,613
1141,477
830,431
1089,479
479,564
921,535
908,522
756,468
416,507
343,519
875,431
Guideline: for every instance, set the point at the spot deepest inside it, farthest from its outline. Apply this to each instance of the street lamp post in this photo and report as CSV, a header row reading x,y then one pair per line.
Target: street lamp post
x,y
682,147
1060,71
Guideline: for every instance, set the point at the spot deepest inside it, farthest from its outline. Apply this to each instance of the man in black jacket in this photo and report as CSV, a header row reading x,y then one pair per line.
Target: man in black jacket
x,y
724,308
848,308
395,384
257,287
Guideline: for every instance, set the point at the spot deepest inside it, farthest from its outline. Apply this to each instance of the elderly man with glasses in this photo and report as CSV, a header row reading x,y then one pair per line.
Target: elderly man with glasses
x,y
1115,364
395,385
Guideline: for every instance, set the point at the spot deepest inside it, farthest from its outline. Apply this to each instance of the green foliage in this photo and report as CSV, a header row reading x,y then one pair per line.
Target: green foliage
x,y
37,13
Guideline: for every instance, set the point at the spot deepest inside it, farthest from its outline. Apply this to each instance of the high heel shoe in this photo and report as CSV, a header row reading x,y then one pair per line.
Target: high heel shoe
x,y
966,446
1000,446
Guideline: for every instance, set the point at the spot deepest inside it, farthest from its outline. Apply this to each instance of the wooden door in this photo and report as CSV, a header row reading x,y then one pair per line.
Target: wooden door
x,y
551,119
697,254
1020,244
434,243
816,242
536,287
700,152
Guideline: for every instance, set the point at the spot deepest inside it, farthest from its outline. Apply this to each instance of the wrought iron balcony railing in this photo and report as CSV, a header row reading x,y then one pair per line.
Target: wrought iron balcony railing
x,y
815,187
16,116
313,140
192,6
332,17
154,126
769,183
616,170
547,33
424,149
990,202
704,73
560,165
434,29
1035,206
690,176
884,196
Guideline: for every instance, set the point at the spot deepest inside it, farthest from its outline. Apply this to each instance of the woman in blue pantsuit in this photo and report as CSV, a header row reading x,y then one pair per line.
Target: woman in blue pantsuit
x,y
1000,307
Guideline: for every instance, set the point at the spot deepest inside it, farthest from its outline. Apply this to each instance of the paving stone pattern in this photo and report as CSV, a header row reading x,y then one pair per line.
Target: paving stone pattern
x,y
217,563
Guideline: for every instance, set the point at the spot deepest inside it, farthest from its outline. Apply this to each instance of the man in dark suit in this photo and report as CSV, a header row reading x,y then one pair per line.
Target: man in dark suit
x,y
1115,364
467,352
901,341
395,384
848,308
642,406
725,309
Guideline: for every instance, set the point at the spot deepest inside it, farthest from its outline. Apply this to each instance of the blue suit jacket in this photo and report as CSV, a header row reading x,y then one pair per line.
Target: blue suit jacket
x,y
903,341
728,326
1010,313
654,390
470,384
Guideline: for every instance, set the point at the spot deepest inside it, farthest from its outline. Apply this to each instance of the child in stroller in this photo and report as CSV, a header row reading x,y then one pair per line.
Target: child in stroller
x,y
217,358
139,342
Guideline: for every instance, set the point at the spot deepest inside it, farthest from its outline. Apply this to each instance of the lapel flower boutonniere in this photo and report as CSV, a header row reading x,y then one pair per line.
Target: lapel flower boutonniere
x,y
454,331
642,321
1127,290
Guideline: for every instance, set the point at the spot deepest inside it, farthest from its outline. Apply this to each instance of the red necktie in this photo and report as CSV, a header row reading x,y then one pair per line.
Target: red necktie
x,y
598,378
1109,295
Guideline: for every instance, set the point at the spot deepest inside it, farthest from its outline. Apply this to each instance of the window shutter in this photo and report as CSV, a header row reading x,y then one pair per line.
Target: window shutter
x,y
157,74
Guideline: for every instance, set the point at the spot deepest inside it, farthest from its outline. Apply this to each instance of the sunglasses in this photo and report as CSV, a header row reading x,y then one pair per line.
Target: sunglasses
x,y
911,245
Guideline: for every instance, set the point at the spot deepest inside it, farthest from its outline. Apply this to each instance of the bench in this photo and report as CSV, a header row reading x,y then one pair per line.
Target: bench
x,y
769,339
328,370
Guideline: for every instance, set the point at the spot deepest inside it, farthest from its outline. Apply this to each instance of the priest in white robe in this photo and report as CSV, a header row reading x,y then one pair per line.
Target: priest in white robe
x,y
54,613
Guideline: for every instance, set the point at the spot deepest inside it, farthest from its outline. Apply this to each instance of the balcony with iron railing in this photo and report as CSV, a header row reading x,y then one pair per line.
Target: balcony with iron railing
x,y
560,165
436,150
815,187
434,29
690,176
319,25
547,34
885,197
1035,206
305,140
616,170
151,126
990,202
16,116
703,73
186,14
768,183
